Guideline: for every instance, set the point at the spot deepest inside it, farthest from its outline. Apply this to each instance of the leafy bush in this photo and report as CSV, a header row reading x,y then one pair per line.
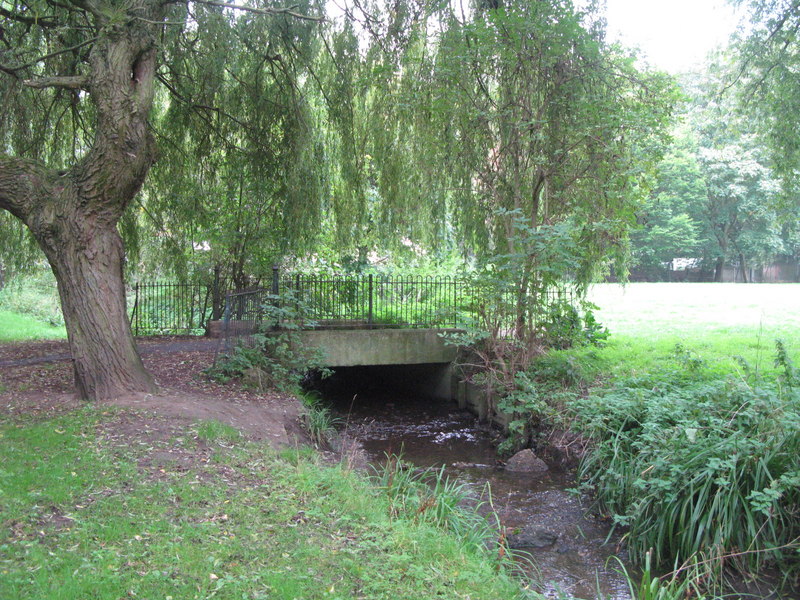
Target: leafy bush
x,y
563,325
540,395
699,469
274,356
526,407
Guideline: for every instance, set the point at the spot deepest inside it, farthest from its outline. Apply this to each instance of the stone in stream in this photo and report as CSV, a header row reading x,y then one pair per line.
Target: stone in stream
x,y
532,538
525,461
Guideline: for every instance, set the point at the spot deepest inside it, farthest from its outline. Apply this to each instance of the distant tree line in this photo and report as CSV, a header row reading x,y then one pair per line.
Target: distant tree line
x,y
726,193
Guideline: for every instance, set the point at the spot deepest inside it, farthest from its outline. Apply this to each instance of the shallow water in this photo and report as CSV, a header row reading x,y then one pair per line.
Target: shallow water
x,y
574,560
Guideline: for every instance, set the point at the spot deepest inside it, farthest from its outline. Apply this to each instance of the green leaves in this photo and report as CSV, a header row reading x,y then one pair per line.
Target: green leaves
x,y
766,81
697,467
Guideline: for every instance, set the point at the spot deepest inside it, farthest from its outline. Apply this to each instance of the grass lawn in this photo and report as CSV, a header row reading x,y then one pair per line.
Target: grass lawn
x,y
99,503
715,321
14,326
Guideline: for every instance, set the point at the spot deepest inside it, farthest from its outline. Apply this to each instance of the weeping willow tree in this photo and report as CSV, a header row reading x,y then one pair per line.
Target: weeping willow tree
x,y
241,176
554,135
513,122
78,81
383,190
414,119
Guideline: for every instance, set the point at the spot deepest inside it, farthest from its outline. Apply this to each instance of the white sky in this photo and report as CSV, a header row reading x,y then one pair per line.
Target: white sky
x,y
674,35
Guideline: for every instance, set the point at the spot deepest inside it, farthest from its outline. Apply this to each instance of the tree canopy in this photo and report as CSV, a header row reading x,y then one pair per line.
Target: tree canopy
x,y
766,79
224,135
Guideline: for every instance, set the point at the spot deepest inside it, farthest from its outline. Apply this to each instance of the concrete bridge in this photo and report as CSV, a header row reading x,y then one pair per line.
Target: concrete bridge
x,y
408,348
370,321
362,347
423,353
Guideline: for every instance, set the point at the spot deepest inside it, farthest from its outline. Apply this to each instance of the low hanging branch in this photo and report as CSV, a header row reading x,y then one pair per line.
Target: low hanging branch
x,y
289,10
27,65
39,21
73,82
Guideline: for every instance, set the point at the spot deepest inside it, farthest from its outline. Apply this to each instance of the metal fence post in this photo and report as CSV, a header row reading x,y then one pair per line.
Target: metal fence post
x,y
369,314
275,280
455,303
135,308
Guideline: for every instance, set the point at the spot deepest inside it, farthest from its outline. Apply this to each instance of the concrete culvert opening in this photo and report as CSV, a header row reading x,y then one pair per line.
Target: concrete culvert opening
x,y
379,384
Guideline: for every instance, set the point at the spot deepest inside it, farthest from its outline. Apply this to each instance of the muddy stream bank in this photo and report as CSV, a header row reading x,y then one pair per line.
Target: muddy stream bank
x,y
567,545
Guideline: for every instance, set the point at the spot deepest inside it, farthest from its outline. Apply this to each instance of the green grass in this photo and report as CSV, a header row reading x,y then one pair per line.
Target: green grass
x,y
34,295
82,515
17,327
213,431
716,321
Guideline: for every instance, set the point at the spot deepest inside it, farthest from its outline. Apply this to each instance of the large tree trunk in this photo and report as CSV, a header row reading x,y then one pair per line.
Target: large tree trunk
x,y
73,214
88,267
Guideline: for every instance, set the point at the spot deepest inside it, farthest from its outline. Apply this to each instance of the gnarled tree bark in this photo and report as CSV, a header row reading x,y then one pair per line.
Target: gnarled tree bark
x,y
73,214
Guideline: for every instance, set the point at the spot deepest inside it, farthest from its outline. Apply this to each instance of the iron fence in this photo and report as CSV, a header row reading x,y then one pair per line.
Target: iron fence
x,y
342,301
339,301
169,308
384,301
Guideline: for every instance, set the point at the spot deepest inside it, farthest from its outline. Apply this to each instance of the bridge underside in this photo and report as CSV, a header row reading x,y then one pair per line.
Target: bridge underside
x,y
364,347
415,360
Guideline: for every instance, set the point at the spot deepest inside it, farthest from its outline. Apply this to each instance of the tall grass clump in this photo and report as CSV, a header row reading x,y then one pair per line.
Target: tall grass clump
x,y
700,470
317,419
651,587
430,496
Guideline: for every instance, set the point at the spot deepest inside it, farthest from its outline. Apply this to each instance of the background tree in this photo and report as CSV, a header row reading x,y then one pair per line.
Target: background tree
x,y
669,223
738,208
717,196
767,81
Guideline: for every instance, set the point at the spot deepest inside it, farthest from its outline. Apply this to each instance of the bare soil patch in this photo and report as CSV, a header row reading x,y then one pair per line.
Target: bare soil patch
x,y
42,387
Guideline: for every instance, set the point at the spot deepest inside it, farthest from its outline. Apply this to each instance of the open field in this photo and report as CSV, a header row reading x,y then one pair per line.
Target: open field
x,y
716,321
14,326
675,309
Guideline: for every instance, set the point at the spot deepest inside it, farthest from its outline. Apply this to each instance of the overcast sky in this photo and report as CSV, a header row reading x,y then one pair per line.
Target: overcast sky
x,y
675,35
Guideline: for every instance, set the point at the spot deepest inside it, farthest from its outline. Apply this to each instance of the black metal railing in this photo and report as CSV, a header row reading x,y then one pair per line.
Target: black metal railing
x,y
169,308
341,301
338,301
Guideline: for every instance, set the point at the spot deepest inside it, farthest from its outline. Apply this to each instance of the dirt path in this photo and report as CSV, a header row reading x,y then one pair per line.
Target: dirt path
x,y
33,353
36,378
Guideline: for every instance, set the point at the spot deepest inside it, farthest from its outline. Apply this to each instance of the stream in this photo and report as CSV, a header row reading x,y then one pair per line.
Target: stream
x,y
567,545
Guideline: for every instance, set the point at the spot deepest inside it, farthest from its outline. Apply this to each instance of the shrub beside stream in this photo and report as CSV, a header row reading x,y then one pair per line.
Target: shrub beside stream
x,y
703,471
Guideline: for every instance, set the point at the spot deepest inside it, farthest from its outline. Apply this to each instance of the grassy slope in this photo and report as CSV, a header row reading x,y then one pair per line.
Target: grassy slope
x,y
717,321
14,327
83,515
